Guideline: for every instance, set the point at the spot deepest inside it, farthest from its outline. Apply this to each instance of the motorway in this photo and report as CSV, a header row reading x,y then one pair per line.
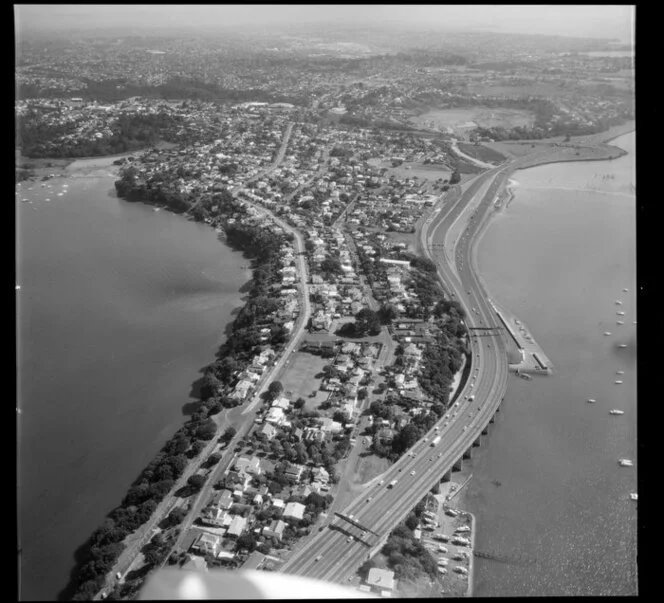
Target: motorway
x,y
331,555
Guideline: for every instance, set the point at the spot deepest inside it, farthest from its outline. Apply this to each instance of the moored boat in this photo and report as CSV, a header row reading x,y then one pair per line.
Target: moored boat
x,y
620,313
625,463
607,332
634,496
615,411
591,400
622,345
617,381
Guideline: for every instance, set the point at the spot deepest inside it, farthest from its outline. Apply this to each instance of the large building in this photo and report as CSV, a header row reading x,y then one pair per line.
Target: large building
x,y
380,580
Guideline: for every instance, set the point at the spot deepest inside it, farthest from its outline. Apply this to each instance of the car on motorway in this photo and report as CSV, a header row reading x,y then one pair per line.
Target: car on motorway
x,y
318,558
412,472
369,499
465,427
446,423
350,539
440,454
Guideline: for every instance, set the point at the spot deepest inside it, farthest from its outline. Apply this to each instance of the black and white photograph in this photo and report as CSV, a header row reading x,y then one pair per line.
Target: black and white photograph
x,y
325,301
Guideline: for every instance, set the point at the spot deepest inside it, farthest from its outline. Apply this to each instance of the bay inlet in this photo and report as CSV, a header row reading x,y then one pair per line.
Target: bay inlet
x,y
547,490
119,308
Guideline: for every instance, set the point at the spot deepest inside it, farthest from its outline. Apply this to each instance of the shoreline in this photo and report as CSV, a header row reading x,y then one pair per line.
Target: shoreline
x,y
102,167
506,191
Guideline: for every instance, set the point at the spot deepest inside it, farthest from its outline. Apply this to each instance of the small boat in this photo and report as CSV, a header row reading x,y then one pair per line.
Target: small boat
x,y
620,313
634,323
625,290
617,381
156,208
591,400
622,345
607,332
619,322
60,194
18,287
620,372
634,496
618,302
616,412
625,463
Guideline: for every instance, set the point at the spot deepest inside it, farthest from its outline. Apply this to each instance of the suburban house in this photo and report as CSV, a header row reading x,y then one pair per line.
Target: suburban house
x,y
195,564
380,580
294,472
294,510
275,529
238,525
207,544
244,466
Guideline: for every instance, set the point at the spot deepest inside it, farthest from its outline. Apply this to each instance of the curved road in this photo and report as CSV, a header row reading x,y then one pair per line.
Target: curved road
x,y
331,555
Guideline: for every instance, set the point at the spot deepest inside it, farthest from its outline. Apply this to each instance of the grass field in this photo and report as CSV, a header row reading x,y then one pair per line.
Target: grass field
x,y
415,168
481,152
461,119
547,89
369,467
299,379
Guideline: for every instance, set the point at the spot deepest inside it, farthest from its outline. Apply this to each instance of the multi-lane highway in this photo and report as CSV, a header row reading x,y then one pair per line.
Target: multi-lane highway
x,y
332,554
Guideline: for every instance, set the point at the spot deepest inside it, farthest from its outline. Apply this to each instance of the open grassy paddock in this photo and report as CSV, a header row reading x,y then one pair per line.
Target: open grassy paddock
x,y
461,119
299,378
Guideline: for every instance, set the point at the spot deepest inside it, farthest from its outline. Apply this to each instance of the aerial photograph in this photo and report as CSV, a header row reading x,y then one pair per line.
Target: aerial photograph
x,y
325,301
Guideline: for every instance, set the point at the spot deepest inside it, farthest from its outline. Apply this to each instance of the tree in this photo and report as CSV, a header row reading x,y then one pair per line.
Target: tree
x,y
196,481
211,385
175,517
207,430
411,521
246,541
387,313
229,434
275,388
299,403
213,459
456,177
339,417
367,321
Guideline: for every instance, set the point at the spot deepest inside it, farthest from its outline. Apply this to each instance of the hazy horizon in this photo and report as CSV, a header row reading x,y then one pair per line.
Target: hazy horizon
x,y
594,21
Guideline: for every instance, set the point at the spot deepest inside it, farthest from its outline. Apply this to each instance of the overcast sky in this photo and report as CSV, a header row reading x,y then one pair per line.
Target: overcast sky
x,y
607,21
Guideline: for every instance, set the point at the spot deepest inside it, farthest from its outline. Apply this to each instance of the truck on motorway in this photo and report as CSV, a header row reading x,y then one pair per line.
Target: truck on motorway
x,y
435,441
392,484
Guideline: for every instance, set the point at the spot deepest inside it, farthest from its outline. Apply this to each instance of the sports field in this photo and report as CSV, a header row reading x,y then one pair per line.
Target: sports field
x,y
299,378
460,120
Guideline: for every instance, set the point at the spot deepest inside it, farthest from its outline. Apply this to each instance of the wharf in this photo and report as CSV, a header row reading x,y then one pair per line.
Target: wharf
x,y
533,359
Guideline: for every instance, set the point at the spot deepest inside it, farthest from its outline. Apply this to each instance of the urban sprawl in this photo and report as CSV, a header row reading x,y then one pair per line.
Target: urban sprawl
x,y
321,160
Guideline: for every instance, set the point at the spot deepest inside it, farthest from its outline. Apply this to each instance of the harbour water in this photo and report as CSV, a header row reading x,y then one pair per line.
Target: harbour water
x,y
547,491
119,308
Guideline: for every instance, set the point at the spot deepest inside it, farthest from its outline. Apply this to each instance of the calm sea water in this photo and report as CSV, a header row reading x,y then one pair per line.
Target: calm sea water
x,y
119,308
559,257
609,53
